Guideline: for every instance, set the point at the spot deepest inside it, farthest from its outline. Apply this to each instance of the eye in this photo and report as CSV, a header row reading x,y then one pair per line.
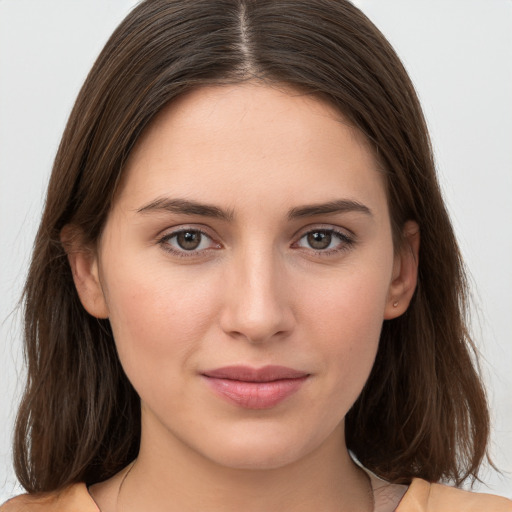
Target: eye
x,y
325,240
187,241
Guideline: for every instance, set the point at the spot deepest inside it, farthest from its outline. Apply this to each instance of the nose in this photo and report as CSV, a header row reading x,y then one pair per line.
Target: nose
x,y
257,303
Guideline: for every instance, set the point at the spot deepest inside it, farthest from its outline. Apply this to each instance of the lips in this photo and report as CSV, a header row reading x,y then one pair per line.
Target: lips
x,y
255,388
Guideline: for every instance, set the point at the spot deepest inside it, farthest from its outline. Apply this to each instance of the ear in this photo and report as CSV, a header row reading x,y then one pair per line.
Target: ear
x,y
405,272
83,261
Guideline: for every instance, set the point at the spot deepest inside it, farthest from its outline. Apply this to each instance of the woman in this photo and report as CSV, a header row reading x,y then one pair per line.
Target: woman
x,y
251,272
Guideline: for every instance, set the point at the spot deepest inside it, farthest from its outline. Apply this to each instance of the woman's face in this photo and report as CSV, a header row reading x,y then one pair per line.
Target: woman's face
x,y
251,231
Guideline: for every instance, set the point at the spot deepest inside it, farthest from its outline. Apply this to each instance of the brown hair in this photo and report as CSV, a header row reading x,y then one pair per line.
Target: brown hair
x,y
423,410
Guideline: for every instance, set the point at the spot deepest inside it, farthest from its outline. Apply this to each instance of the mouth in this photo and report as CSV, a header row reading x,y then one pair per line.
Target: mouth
x,y
255,388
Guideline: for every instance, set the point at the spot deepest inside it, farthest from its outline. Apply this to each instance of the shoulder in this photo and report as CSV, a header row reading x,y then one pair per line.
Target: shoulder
x,y
423,496
74,498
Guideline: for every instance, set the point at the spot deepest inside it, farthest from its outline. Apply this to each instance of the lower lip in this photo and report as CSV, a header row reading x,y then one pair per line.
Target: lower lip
x,y
255,395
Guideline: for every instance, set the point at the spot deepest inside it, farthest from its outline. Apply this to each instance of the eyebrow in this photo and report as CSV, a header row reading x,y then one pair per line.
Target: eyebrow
x,y
189,207
331,207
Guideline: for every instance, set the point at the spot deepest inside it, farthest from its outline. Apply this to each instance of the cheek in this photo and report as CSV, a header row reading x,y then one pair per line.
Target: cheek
x,y
157,319
349,305
347,317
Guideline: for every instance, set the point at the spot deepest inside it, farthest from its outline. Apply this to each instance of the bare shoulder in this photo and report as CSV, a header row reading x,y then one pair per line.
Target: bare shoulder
x,y
74,498
423,496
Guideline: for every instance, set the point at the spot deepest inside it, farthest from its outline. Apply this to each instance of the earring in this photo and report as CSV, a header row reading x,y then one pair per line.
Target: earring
x,y
395,304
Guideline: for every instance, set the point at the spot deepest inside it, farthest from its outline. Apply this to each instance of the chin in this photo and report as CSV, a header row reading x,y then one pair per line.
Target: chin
x,y
260,450
246,459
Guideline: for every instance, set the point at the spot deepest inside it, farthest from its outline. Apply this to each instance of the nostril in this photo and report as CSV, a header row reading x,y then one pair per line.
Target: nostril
x,y
256,307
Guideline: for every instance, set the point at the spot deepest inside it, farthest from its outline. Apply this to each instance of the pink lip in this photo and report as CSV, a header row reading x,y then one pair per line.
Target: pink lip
x,y
253,388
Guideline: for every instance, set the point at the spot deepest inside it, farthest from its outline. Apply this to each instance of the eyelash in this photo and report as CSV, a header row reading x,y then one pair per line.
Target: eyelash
x,y
345,242
183,253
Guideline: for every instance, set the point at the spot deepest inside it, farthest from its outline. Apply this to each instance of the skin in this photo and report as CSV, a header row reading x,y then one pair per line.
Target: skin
x,y
255,292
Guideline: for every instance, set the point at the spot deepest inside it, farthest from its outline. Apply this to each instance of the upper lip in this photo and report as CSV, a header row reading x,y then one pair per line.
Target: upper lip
x,y
248,374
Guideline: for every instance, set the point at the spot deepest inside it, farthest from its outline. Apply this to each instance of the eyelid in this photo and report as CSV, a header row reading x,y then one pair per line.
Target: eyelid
x,y
343,231
170,233
346,236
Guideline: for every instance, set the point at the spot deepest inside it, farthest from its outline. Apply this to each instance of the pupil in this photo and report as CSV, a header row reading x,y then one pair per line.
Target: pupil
x,y
319,239
188,240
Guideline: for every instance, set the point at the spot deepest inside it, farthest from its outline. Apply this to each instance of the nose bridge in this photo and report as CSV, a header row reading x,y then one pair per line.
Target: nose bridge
x,y
257,306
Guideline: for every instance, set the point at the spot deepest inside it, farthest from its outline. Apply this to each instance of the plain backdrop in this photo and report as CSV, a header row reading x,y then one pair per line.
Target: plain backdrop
x,y
459,55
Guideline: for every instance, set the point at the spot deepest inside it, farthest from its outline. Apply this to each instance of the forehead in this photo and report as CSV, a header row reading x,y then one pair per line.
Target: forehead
x,y
253,140
216,109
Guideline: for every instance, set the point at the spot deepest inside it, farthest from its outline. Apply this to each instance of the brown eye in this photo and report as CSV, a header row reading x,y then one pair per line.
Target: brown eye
x,y
326,242
189,240
319,239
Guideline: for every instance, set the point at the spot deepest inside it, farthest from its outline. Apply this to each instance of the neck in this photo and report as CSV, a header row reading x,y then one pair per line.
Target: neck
x,y
173,477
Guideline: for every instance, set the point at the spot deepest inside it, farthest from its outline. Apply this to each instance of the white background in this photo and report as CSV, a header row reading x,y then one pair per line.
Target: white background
x,y
459,55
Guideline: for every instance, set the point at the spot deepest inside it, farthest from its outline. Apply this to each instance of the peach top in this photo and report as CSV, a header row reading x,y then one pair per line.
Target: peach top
x,y
420,496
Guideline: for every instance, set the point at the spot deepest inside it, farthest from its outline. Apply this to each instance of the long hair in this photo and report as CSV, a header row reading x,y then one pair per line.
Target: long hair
x,y
423,411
